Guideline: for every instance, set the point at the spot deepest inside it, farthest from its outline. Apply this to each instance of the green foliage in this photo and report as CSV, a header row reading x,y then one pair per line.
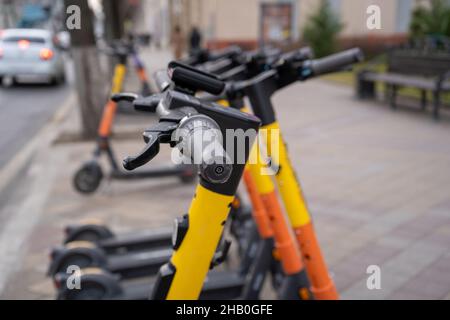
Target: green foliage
x,y
431,21
322,29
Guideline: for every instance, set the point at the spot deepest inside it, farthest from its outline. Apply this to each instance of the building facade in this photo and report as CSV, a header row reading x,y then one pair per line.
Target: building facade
x,y
239,21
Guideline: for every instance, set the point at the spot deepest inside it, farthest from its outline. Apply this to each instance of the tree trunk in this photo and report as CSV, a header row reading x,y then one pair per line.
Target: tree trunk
x,y
114,25
90,82
91,89
114,19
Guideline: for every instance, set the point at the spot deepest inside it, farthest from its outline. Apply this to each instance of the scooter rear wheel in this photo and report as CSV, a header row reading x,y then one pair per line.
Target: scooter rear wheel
x,y
88,178
91,291
94,285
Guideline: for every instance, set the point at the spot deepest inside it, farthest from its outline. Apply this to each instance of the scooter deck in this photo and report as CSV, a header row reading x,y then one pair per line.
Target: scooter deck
x,y
137,241
138,264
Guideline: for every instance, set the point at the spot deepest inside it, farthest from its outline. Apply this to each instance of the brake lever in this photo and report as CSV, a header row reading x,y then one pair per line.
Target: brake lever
x,y
161,133
147,154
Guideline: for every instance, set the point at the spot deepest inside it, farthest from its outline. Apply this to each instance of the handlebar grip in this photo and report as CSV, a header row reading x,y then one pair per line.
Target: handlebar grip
x,y
162,80
225,53
196,57
336,61
147,104
299,55
191,78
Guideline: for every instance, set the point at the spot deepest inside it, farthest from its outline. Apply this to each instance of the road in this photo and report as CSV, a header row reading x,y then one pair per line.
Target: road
x,y
24,110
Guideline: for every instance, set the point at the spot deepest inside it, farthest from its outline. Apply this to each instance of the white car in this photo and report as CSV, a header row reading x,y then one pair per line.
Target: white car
x,y
30,54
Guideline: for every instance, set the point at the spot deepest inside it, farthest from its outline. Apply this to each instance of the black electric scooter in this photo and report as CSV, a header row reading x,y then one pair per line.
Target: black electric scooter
x,y
138,259
246,282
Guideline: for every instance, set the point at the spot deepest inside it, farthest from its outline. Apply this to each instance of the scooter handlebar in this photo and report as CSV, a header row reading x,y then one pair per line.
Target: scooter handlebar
x,y
301,54
162,80
225,53
190,78
336,61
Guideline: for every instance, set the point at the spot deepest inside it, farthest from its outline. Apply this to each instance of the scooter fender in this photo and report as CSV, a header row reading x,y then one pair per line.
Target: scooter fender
x,y
80,254
74,232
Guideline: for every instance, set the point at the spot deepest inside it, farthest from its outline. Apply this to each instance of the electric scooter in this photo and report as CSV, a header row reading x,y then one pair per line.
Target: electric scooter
x,y
137,260
122,254
88,178
100,234
224,176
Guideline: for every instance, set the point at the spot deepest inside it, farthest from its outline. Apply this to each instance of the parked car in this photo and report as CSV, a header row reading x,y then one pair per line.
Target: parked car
x,y
31,55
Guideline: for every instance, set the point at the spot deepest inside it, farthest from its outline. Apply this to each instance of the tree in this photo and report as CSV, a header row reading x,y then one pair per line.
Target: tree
x,y
90,82
433,20
114,19
321,30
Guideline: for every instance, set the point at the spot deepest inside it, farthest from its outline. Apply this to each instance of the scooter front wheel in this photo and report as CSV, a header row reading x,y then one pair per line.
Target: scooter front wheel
x,y
88,178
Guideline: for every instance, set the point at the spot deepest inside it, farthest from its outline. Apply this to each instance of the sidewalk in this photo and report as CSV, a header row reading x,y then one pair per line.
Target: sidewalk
x,y
376,181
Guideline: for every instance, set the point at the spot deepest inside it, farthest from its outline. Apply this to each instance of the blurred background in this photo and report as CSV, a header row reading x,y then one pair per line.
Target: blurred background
x,y
375,171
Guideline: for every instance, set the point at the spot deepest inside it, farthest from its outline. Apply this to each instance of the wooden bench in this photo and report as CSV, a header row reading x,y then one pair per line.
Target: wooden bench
x,y
421,69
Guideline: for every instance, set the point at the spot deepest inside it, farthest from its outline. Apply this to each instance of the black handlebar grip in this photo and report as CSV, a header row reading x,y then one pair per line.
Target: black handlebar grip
x,y
299,55
194,79
225,53
147,104
336,61
162,80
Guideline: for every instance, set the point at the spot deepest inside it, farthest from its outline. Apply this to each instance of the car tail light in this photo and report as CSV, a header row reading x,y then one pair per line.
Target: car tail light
x,y
23,44
57,281
46,54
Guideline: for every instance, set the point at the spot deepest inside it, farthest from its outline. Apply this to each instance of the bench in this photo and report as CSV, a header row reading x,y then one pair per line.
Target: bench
x,y
428,71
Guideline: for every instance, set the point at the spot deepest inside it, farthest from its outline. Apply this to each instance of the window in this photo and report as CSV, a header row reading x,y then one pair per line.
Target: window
x,y
14,39
335,5
403,16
